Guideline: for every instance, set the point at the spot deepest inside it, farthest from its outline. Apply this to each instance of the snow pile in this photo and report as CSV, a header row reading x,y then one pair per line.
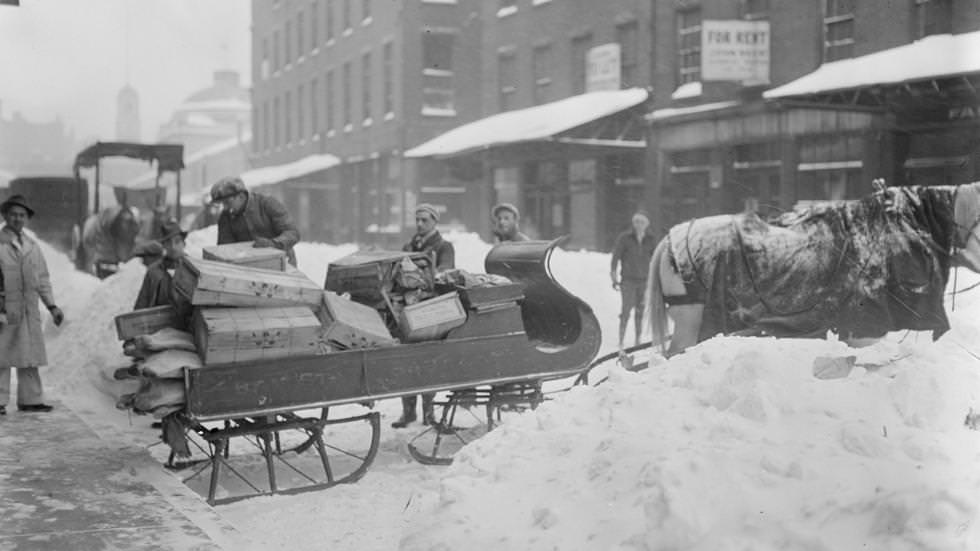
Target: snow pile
x,y
732,445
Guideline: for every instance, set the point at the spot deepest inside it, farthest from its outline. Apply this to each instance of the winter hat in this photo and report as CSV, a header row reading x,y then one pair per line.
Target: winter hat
x,y
16,201
505,206
170,229
642,213
227,187
428,208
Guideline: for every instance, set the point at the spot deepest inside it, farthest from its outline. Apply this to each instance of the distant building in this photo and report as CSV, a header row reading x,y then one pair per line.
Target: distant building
x,y
834,94
209,116
35,148
128,115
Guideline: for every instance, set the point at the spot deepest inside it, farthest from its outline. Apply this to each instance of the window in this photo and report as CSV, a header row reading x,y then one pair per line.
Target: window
x,y
830,167
542,65
933,17
300,46
689,46
314,111
346,84
628,38
365,12
328,95
389,77
300,115
366,87
276,64
288,39
506,7
580,61
328,20
507,80
346,16
314,24
288,118
275,122
756,178
755,9
838,29
265,68
438,97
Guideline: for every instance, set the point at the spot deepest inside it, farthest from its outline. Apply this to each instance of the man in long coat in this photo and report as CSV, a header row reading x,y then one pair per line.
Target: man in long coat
x,y
251,216
24,281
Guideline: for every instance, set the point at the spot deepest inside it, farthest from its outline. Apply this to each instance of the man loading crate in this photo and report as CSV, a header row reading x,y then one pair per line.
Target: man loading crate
x,y
251,216
427,239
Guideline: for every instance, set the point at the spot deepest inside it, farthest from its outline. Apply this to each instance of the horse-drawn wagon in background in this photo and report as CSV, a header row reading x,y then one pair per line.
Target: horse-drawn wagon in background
x,y
509,340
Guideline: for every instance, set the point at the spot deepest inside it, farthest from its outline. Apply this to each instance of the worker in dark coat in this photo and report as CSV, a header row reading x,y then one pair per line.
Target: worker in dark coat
x,y
506,223
632,253
250,216
427,239
24,282
158,283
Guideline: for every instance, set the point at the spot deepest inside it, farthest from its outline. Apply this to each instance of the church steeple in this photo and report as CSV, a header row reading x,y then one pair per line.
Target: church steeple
x,y
128,114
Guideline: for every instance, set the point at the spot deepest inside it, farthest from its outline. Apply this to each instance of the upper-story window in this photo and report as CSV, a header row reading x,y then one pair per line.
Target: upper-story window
x,y
288,42
265,68
276,59
933,17
507,79
288,117
314,110
838,29
300,46
388,52
543,63
328,20
688,46
581,45
314,24
438,87
329,93
347,16
755,9
366,12
300,112
366,84
347,86
506,7
629,47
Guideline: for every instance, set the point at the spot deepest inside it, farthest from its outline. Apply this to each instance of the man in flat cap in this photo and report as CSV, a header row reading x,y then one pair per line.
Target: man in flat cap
x,y
24,281
506,223
158,283
250,216
427,239
631,254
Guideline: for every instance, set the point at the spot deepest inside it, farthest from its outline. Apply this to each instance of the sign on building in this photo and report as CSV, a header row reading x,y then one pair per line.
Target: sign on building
x,y
735,50
602,68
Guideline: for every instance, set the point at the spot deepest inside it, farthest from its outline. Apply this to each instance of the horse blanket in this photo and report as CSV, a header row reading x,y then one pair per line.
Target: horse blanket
x,y
859,268
97,236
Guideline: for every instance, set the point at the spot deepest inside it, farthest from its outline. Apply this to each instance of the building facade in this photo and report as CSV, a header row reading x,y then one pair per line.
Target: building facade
x,y
211,115
718,144
29,148
362,80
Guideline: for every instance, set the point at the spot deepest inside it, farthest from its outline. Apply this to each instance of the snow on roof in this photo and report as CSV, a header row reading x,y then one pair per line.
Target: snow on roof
x,y
933,56
215,105
5,178
670,112
530,124
278,173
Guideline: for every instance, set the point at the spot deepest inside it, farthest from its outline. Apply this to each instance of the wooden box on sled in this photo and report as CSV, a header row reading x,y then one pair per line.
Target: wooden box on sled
x,y
431,319
347,324
145,321
246,255
209,283
488,296
229,335
366,275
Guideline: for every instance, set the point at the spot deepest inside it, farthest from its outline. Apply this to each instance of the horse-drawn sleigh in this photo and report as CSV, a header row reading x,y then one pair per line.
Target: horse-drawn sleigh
x,y
497,358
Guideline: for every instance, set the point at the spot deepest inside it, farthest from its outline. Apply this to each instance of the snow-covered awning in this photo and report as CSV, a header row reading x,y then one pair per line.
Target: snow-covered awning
x,y
546,122
933,57
296,169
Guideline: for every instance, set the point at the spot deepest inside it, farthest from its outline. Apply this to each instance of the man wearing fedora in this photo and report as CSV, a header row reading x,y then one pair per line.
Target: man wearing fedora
x,y
24,281
250,216
158,283
427,239
506,223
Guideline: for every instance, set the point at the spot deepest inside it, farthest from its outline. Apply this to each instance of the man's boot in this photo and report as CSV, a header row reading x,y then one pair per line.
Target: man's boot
x,y
428,409
408,412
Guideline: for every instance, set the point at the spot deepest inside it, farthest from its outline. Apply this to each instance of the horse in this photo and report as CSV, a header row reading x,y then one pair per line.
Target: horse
x,y
857,268
107,239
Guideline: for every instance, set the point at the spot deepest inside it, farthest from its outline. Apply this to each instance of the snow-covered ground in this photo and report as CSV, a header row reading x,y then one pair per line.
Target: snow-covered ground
x,y
733,445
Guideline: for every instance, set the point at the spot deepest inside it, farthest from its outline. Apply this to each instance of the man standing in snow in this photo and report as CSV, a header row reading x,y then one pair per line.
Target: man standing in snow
x,y
250,216
632,254
506,223
24,281
427,239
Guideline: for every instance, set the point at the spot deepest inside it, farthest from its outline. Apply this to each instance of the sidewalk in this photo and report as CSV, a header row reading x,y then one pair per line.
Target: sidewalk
x,y
63,487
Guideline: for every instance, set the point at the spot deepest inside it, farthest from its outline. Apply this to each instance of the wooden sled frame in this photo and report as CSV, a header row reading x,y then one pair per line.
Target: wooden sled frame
x,y
263,432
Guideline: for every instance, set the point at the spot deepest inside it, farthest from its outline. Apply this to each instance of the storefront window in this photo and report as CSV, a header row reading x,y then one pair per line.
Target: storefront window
x,y
685,193
830,168
756,179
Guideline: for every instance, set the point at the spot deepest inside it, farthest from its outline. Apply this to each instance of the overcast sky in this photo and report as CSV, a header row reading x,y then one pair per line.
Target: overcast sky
x,y
71,57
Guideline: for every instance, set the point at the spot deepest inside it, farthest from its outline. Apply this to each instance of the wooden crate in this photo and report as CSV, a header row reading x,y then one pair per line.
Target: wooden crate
x,y
209,283
490,295
366,275
145,321
431,319
348,324
246,255
231,335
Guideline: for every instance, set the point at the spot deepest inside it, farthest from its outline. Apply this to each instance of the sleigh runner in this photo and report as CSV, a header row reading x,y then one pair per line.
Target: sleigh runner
x,y
511,339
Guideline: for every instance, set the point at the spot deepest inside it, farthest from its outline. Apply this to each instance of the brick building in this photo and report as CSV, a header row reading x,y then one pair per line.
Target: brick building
x,y
362,80
854,91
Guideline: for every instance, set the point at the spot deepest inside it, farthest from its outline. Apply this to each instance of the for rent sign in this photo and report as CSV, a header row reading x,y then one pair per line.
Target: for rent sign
x,y
735,50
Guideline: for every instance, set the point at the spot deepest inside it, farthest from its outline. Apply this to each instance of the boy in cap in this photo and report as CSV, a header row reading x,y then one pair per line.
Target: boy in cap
x,y
506,223
632,253
427,239
158,283
250,216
